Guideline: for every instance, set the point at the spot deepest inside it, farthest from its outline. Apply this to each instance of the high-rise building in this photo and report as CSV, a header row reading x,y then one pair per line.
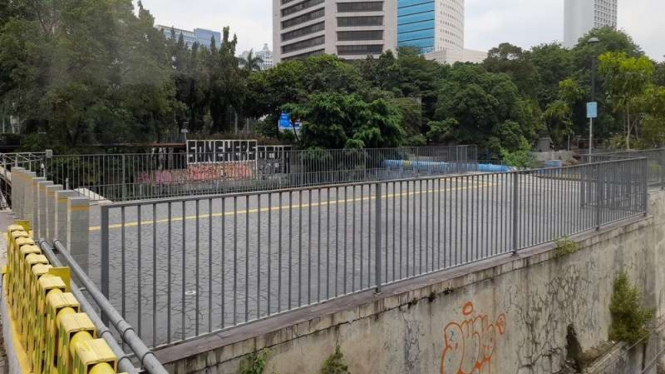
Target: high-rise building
x,y
264,54
351,29
201,36
581,16
436,27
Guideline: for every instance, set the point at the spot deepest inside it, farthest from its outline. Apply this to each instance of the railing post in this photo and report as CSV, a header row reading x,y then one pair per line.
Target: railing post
x,y
662,169
124,179
377,240
645,192
584,183
515,212
599,196
105,250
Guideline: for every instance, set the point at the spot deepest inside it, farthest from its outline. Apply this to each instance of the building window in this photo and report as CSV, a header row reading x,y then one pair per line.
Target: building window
x,y
359,21
360,35
302,6
313,53
303,44
365,6
346,50
304,31
286,1
304,18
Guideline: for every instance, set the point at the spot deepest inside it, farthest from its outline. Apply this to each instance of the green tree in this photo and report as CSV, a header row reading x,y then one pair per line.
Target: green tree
x,y
335,121
251,63
553,63
558,116
626,80
517,63
227,83
486,107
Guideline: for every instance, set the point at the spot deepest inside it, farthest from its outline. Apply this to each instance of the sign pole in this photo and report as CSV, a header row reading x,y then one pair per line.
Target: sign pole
x,y
590,136
591,113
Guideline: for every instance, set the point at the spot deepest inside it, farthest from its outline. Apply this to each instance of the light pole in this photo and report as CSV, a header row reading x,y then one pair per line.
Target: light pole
x,y
592,41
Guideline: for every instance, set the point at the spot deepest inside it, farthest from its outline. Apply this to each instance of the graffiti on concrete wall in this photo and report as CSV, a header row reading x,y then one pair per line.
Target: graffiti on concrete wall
x,y
468,346
198,173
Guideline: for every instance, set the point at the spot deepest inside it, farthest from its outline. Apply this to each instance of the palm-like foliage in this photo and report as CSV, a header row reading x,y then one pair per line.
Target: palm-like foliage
x,y
252,62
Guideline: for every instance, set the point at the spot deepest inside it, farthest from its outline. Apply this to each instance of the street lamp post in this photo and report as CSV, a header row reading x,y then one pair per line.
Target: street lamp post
x,y
592,41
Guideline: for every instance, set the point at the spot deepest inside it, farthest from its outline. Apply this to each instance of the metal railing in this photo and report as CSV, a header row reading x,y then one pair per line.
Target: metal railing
x,y
181,268
656,162
126,177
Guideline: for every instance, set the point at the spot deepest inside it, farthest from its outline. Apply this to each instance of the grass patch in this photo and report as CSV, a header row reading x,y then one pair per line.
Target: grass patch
x,y
564,247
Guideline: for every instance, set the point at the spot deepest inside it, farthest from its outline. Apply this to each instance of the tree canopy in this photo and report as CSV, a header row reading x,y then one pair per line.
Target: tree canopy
x,y
78,72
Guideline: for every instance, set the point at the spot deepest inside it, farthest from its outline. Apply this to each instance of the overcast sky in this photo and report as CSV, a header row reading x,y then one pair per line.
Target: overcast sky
x,y
488,22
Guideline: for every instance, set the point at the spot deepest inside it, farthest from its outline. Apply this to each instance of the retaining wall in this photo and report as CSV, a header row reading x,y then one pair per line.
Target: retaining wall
x,y
505,315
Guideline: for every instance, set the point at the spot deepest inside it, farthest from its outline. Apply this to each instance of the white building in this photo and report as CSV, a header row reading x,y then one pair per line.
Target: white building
x,y
264,54
351,29
436,27
581,16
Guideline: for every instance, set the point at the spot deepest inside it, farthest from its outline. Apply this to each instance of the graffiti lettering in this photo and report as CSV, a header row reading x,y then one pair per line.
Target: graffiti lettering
x,y
197,173
468,346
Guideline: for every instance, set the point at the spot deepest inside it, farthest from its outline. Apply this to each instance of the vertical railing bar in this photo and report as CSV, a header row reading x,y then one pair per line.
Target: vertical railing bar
x,y
154,275
235,260
377,241
247,216
168,275
184,266
210,291
139,272
515,214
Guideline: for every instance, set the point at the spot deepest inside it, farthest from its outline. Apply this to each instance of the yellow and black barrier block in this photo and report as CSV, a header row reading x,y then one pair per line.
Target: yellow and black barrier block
x,y
47,323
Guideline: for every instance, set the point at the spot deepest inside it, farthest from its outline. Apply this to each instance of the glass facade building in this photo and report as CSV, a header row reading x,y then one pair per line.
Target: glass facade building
x,y
201,36
416,24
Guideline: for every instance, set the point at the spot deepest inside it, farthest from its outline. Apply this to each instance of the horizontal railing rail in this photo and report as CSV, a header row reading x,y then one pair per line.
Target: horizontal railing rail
x,y
181,268
656,162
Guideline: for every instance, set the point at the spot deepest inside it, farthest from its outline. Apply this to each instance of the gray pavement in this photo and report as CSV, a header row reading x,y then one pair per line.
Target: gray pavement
x,y
181,269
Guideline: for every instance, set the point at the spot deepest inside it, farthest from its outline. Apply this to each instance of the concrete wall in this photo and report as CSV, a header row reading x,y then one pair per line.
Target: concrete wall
x,y
506,315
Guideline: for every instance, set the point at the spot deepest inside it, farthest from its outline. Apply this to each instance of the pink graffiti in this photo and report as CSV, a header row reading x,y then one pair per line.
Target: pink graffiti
x,y
469,345
197,173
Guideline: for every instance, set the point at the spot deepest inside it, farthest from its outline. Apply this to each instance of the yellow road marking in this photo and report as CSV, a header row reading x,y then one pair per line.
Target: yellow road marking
x,y
283,207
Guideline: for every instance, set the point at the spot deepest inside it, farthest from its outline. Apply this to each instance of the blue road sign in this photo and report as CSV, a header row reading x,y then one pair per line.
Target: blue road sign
x,y
285,123
592,110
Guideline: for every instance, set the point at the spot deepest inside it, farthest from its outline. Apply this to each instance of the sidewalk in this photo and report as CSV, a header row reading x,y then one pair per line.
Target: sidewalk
x,y
6,218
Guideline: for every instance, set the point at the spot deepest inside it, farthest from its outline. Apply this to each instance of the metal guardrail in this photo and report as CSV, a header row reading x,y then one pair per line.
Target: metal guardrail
x,y
185,267
656,162
126,177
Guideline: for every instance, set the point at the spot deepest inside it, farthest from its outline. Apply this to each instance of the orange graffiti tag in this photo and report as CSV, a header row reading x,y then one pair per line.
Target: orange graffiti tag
x,y
469,345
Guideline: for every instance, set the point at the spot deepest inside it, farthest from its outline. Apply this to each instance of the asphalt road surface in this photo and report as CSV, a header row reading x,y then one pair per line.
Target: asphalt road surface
x,y
181,269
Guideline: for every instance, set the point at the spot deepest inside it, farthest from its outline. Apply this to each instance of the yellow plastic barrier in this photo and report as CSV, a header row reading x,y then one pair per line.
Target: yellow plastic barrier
x,y
94,356
56,337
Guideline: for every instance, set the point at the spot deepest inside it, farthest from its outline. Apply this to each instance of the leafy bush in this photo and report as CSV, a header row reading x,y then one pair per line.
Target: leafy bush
x,y
254,363
628,316
335,364
521,159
